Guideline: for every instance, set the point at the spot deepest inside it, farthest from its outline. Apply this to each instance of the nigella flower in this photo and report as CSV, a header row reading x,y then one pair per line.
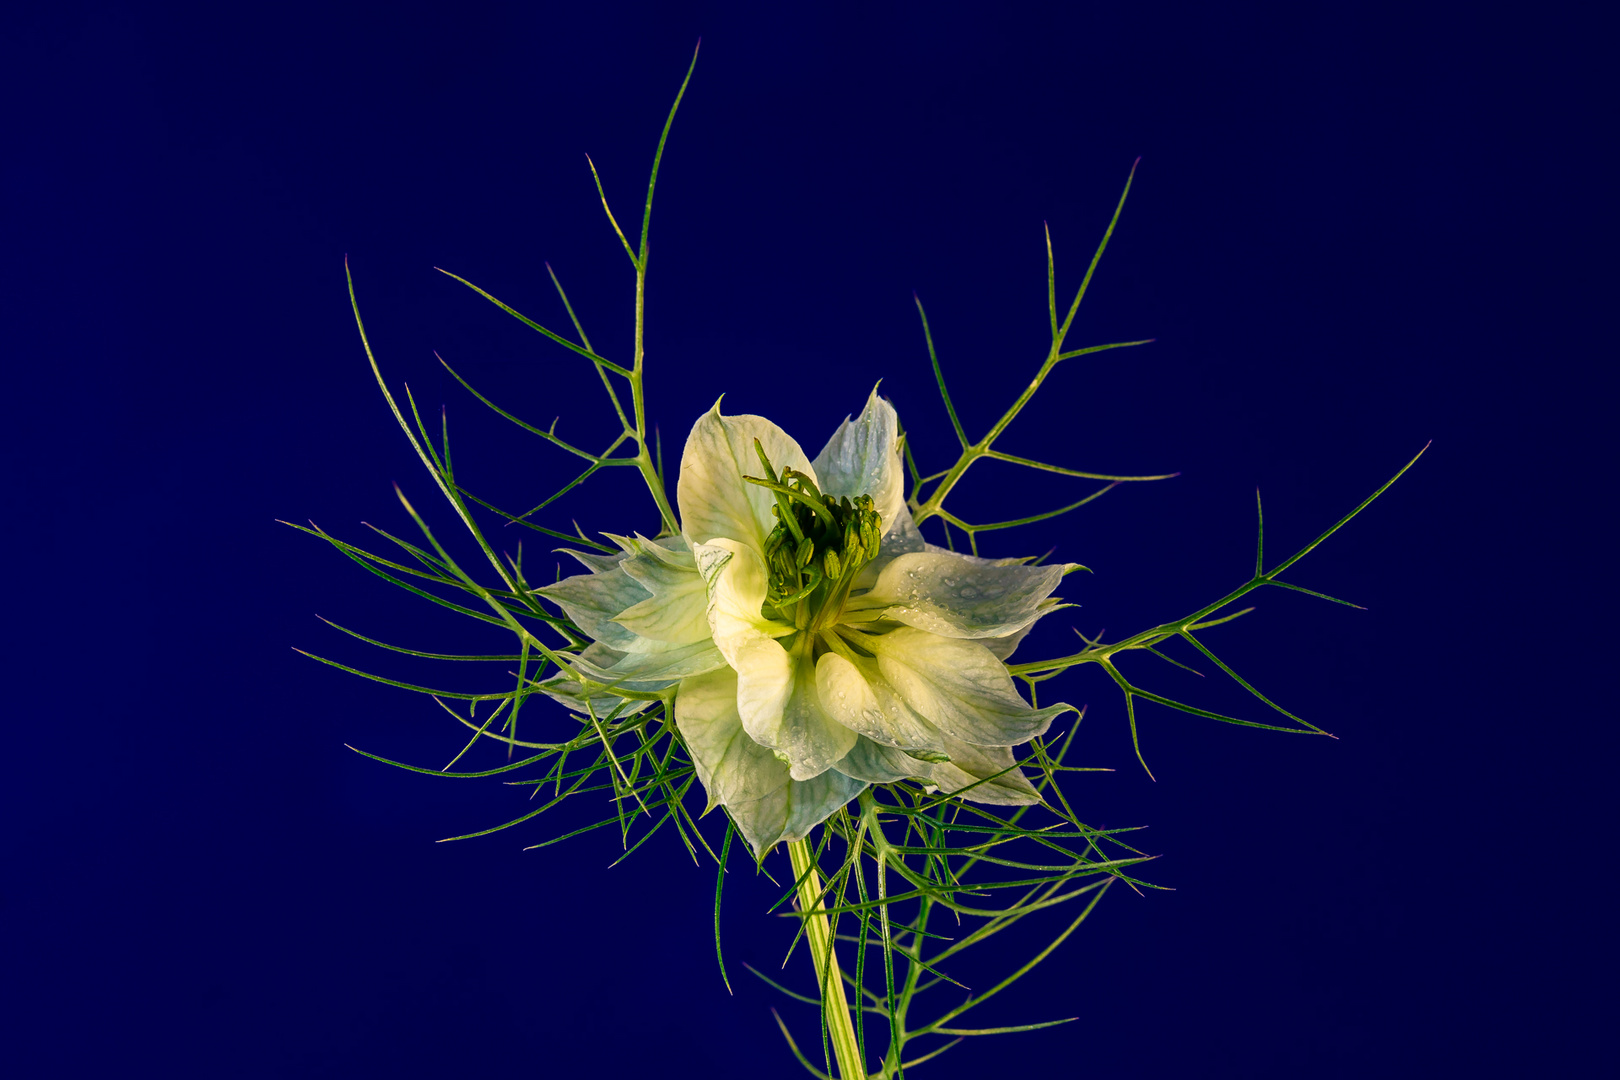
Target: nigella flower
x,y
814,642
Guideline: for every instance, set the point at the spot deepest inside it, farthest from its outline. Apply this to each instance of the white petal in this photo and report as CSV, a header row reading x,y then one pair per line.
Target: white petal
x,y
960,687
971,764
1002,647
755,788
776,695
863,458
810,802
592,600
653,670
594,700
879,764
676,612
734,768
956,596
858,696
714,499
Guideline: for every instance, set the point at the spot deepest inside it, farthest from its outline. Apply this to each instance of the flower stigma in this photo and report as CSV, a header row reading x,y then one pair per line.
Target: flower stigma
x,y
817,547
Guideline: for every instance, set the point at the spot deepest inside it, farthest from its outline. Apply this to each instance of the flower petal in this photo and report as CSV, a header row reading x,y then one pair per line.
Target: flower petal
x,y
879,764
592,601
594,700
715,500
766,804
810,802
956,596
856,694
676,611
781,708
863,458
960,687
971,764
734,768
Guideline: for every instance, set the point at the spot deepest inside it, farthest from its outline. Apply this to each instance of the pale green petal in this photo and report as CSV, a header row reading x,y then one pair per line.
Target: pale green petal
x,y
970,764
676,612
776,694
714,499
653,670
960,687
593,562
591,663
863,458
957,596
856,694
592,601
810,802
735,578
734,769
1002,647
935,549
879,764
755,788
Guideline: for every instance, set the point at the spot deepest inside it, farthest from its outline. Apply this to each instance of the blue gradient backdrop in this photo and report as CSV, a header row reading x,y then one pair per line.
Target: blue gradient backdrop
x,y
1354,229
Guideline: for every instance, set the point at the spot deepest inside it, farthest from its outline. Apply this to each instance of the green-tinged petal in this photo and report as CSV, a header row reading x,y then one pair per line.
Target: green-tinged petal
x,y
734,768
653,670
956,596
781,708
1002,647
970,764
594,664
863,458
593,562
775,691
755,788
676,611
960,687
715,501
879,764
593,600
602,703
855,693
810,802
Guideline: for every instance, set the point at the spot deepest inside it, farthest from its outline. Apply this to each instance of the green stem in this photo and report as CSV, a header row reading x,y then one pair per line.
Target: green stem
x,y
818,932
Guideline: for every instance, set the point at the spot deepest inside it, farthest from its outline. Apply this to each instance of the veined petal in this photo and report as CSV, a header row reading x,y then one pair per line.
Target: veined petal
x,y
676,611
879,764
863,458
653,670
971,764
1002,647
592,601
810,802
734,768
855,693
960,687
781,708
955,596
766,804
592,663
715,501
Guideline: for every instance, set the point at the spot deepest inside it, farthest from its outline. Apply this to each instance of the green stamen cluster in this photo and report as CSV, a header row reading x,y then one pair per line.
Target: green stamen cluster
x,y
818,545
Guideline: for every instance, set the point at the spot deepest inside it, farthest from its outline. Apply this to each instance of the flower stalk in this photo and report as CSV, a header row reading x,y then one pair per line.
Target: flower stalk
x,y
818,932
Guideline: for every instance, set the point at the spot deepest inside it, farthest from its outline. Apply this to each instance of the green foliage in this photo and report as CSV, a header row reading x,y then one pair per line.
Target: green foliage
x,y
915,878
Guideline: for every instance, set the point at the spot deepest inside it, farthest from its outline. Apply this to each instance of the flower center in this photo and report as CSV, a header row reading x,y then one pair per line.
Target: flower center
x,y
818,545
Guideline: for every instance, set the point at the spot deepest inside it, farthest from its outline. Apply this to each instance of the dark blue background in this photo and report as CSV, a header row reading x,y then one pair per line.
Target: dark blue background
x,y
1354,229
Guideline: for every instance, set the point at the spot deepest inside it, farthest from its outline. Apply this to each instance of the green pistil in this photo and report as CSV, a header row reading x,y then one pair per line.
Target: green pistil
x,y
818,545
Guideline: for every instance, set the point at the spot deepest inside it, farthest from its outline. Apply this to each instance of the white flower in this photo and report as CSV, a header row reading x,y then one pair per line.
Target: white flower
x,y
816,644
